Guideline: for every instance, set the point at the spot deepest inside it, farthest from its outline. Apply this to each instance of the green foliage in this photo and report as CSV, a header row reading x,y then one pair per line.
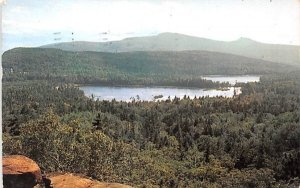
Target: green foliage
x,y
132,68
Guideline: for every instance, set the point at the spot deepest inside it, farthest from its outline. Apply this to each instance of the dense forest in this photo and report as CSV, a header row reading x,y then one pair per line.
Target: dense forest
x,y
251,140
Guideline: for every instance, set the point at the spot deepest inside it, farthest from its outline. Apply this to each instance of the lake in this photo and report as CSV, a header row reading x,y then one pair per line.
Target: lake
x,y
126,93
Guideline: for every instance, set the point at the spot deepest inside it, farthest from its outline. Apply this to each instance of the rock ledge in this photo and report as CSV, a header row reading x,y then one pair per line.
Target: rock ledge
x,y
20,172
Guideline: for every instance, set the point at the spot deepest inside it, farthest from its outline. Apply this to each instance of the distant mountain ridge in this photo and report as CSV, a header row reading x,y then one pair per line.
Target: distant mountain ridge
x,y
287,54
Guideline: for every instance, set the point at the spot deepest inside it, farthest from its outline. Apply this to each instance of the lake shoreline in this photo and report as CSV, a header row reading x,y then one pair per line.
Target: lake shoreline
x,y
151,93
148,86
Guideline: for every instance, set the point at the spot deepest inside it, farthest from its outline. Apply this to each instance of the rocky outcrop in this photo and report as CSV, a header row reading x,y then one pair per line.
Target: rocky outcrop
x,y
72,181
20,172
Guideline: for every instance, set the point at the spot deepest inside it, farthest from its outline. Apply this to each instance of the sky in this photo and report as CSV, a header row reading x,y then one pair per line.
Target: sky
x,y
29,23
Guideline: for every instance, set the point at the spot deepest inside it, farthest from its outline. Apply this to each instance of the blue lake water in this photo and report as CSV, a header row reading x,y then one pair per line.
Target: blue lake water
x,y
148,93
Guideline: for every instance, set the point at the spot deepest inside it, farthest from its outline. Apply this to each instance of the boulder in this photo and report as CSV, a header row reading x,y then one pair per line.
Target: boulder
x,y
72,181
20,172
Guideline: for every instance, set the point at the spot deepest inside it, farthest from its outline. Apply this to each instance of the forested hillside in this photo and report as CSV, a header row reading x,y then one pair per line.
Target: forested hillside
x,y
131,68
252,140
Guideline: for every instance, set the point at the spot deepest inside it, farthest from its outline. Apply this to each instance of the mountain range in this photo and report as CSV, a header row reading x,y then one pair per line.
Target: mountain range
x,y
287,54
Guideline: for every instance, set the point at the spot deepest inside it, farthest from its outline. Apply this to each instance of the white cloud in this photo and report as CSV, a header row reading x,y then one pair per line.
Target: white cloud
x,y
275,22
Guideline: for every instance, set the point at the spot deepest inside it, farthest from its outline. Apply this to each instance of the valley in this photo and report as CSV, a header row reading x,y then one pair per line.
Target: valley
x,y
108,116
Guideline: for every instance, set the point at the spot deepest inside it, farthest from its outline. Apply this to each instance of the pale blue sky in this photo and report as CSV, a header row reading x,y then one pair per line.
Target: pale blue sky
x,y
34,22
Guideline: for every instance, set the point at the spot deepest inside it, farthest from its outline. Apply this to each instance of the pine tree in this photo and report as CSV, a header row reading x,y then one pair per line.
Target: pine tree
x,y
97,124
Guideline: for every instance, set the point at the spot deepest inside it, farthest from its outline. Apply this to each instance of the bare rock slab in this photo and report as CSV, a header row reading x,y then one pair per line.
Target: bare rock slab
x,y
72,181
20,172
